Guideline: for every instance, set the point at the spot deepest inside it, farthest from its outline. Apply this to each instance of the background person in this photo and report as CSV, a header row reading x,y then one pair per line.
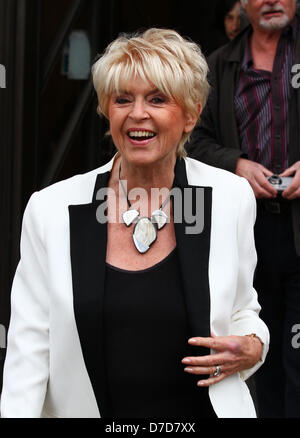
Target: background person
x,y
227,20
250,127
134,319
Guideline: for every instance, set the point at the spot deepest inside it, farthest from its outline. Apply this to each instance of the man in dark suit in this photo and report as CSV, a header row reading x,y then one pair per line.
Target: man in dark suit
x,y
251,126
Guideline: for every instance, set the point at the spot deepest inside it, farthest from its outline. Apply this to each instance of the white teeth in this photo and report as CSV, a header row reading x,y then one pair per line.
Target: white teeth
x,y
141,134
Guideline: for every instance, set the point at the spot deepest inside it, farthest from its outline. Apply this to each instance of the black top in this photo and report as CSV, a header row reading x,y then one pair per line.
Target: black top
x,y
146,334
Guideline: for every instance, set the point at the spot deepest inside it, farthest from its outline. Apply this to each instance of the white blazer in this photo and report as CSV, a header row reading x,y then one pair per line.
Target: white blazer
x,y
54,360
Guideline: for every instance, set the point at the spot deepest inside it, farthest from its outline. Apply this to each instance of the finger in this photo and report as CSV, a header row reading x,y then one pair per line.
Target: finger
x,y
201,341
205,361
202,370
266,171
287,193
213,342
218,343
265,185
293,191
261,192
291,194
211,380
288,172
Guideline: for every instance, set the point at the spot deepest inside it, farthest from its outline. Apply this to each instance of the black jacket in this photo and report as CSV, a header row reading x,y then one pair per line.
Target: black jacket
x,y
216,140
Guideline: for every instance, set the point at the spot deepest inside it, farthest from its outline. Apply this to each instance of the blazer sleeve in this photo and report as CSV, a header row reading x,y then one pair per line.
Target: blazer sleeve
x,y
245,315
26,368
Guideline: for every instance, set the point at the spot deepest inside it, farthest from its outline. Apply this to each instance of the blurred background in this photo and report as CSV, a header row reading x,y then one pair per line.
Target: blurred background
x,y
49,128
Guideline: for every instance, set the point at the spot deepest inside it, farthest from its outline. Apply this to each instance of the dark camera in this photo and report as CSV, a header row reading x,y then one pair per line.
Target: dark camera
x,y
280,182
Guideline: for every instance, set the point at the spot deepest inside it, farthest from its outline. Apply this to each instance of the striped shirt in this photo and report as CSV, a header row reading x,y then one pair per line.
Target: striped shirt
x,y
261,105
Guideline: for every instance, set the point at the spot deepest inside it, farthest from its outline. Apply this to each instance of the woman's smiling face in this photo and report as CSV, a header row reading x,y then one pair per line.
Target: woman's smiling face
x,y
145,124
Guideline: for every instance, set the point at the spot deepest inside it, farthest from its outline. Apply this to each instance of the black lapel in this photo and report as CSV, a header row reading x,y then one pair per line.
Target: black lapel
x,y
193,252
88,240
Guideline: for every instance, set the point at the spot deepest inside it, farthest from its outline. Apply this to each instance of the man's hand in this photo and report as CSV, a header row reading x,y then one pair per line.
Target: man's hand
x,y
257,175
293,191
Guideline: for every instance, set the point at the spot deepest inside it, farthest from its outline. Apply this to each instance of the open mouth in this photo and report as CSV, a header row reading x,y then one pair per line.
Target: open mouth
x,y
141,135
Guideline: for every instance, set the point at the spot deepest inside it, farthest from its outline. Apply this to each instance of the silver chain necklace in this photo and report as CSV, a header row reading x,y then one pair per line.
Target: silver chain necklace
x,y
145,229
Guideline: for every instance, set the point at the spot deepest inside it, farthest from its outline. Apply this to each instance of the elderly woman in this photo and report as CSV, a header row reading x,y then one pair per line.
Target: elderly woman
x,y
133,296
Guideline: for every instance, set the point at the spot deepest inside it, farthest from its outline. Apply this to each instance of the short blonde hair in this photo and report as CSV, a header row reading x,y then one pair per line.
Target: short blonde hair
x,y
175,65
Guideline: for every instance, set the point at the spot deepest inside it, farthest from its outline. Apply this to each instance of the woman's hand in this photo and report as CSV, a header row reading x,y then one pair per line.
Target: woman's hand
x,y
231,353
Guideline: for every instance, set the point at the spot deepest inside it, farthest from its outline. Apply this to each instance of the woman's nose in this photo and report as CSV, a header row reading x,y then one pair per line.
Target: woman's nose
x,y
139,111
236,23
237,26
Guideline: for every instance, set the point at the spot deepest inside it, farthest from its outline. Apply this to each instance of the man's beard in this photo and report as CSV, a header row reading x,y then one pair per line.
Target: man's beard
x,y
275,23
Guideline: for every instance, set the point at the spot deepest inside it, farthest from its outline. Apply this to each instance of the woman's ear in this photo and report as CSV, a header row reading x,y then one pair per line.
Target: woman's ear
x,y
191,119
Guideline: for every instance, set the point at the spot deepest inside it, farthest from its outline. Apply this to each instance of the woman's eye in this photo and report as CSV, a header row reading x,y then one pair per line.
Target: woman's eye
x,y
121,100
157,100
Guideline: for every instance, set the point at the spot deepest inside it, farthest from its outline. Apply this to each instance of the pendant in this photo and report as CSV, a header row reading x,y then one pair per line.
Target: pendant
x,y
144,234
130,216
160,218
145,230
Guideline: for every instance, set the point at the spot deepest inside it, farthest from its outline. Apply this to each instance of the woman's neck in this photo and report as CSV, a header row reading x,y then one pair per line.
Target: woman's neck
x,y
147,177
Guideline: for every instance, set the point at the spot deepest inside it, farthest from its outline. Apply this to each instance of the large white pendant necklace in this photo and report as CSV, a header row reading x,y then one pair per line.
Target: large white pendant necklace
x,y
145,229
